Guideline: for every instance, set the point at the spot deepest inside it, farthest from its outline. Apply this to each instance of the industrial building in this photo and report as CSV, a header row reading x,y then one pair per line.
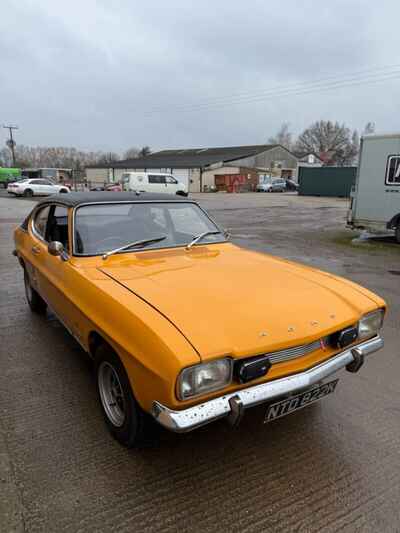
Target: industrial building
x,y
198,167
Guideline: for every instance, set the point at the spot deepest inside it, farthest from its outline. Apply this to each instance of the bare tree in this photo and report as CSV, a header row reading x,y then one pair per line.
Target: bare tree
x,y
283,137
145,151
131,153
55,157
333,142
369,128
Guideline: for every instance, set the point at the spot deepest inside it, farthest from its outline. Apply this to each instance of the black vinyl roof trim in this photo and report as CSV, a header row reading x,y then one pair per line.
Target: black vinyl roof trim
x,y
74,199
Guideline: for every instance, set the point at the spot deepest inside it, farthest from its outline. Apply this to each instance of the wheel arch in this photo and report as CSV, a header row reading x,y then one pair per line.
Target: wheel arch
x,y
394,222
95,340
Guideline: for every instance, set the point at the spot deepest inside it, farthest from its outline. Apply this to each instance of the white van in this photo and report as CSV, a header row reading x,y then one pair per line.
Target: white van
x,y
152,182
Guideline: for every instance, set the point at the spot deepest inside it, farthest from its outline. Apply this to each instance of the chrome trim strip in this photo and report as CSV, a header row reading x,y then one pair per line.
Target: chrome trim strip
x,y
204,413
292,353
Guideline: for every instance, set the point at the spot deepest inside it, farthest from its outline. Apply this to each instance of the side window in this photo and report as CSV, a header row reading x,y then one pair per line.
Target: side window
x,y
156,179
58,226
46,182
170,179
40,221
393,170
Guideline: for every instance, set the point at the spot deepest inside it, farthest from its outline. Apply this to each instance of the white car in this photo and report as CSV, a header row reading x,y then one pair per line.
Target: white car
x,y
152,182
35,187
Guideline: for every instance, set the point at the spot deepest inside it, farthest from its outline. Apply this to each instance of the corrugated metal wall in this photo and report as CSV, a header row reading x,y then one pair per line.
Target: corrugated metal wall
x,y
327,181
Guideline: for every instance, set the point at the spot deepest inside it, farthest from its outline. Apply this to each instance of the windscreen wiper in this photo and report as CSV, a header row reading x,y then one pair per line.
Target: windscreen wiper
x,y
198,238
143,242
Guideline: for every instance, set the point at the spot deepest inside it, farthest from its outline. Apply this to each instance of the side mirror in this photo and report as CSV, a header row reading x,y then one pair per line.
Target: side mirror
x,y
227,234
55,248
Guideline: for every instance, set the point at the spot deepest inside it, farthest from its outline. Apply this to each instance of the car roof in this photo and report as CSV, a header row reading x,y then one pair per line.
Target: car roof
x,y
74,199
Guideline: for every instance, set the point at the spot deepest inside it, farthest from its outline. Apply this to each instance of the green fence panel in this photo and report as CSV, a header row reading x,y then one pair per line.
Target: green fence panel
x,y
326,181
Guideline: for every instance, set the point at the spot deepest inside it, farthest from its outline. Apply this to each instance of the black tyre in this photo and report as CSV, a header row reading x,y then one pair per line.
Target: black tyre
x,y
35,301
397,233
124,418
28,193
63,190
182,193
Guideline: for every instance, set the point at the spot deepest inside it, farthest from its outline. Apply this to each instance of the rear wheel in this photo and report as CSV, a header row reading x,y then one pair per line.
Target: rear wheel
x,y
63,191
28,193
35,301
397,233
123,415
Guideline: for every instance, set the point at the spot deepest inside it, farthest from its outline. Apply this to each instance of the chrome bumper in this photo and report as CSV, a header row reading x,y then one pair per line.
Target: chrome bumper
x,y
234,403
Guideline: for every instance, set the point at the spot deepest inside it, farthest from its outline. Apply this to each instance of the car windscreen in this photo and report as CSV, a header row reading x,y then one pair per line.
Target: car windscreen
x,y
100,228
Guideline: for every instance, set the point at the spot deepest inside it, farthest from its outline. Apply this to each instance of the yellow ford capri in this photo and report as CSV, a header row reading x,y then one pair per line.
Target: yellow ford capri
x,y
185,327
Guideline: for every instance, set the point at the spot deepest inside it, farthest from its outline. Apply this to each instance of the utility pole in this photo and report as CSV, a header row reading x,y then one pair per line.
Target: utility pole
x,y
10,142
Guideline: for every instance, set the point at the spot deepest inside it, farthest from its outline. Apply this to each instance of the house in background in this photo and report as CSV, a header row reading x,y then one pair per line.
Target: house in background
x,y
310,159
198,167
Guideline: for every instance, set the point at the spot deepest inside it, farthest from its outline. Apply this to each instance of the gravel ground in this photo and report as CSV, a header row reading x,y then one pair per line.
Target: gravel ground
x,y
332,467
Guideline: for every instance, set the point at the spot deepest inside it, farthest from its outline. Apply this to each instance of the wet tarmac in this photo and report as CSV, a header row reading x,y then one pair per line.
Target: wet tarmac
x,y
334,466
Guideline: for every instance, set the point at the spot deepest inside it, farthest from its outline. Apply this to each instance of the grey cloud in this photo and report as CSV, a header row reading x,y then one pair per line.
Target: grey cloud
x,y
88,73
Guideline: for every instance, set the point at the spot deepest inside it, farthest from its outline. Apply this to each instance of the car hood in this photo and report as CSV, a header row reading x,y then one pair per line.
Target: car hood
x,y
227,300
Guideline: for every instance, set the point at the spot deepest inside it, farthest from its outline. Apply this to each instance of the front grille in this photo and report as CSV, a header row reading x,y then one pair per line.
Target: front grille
x,y
293,353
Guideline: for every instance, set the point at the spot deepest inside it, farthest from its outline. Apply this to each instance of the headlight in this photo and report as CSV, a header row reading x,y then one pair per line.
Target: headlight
x,y
203,378
370,324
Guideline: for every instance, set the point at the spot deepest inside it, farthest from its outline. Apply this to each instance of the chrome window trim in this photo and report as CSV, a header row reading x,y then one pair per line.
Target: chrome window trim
x,y
178,202
33,217
34,213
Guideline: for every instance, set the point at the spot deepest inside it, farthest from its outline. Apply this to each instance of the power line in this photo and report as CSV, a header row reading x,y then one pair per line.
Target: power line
x,y
366,76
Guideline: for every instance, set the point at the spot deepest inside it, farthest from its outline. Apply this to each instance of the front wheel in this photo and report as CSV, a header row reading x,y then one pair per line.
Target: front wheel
x,y
35,301
123,415
63,191
28,193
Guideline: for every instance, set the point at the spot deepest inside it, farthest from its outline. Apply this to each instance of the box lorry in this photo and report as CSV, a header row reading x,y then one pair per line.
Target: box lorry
x,y
8,175
375,198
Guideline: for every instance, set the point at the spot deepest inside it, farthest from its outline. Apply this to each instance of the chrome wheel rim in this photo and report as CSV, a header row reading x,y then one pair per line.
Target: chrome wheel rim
x,y
111,394
28,289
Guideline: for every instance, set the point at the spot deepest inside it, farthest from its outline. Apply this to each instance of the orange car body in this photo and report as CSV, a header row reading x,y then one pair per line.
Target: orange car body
x,y
165,310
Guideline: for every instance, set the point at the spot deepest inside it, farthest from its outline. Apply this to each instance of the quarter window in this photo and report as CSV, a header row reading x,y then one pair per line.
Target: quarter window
x,y
40,221
58,226
393,170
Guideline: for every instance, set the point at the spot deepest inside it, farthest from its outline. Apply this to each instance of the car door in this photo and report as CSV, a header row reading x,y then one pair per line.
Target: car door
x,y
172,185
156,183
36,186
34,249
48,187
54,275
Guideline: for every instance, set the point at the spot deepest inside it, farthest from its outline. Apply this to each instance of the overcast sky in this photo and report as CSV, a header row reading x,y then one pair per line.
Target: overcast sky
x,y
114,74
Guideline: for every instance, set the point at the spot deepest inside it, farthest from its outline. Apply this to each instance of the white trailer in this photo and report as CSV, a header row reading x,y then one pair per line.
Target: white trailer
x,y
375,200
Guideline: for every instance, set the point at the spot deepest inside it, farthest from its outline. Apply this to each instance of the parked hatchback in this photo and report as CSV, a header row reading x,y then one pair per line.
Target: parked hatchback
x,y
278,185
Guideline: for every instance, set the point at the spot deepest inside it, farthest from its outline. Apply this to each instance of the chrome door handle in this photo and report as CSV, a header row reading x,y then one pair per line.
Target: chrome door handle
x,y
35,250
